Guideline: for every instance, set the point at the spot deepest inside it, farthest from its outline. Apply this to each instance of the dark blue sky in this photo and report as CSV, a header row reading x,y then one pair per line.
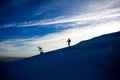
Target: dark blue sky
x,y
24,10
20,11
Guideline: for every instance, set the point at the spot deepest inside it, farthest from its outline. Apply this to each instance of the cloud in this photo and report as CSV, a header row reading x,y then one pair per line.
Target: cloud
x,y
97,10
103,5
53,41
51,6
108,14
82,18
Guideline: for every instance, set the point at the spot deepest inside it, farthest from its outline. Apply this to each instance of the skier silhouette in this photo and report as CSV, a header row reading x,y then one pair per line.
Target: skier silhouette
x,y
69,41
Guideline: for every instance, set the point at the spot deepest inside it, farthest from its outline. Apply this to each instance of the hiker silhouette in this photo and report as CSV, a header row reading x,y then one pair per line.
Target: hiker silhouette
x,y
69,41
40,49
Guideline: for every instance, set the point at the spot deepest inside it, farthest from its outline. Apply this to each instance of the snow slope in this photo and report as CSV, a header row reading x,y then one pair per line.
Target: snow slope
x,y
95,59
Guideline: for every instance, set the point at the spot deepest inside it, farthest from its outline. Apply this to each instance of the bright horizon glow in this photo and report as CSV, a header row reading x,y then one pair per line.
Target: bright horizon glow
x,y
57,40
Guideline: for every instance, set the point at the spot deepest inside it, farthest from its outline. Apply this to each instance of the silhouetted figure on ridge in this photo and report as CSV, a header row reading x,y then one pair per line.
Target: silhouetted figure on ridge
x,y
40,49
69,41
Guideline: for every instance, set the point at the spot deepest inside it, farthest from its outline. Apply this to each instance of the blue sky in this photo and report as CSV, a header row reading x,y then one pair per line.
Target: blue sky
x,y
26,24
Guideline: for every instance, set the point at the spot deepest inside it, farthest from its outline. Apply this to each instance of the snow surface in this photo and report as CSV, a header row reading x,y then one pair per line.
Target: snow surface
x,y
95,59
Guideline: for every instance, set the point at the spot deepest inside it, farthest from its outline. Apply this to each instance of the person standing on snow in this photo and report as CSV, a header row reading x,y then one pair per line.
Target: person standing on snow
x,y
69,41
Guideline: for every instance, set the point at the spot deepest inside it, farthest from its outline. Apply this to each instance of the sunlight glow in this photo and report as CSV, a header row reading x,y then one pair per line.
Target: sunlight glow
x,y
58,40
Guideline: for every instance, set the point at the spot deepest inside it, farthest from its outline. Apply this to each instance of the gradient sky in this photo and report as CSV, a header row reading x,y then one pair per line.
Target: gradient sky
x,y
27,24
